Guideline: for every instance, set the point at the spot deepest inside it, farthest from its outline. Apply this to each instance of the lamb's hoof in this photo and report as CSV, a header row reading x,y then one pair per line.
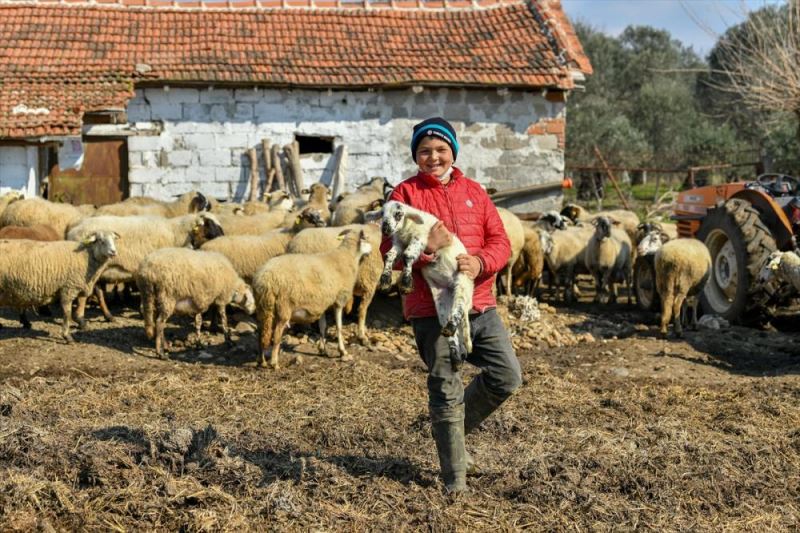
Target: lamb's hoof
x,y
406,284
386,282
449,329
109,318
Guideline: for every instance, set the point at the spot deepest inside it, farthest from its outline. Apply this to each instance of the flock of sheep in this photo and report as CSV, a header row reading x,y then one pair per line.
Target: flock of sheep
x,y
280,260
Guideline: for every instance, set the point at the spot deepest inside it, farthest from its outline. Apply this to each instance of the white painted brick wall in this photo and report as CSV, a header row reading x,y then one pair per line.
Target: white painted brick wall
x,y
206,131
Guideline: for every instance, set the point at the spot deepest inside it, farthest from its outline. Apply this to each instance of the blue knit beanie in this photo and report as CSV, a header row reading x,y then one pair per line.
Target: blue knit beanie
x,y
434,127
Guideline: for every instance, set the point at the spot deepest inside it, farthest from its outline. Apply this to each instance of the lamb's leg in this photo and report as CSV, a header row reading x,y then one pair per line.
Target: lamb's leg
x,y
457,311
66,308
337,311
388,263
410,256
323,327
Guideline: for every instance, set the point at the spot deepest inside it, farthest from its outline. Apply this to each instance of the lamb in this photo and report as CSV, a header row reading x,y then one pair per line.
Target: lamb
x,y
608,255
187,203
528,268
784,267
451,289
143,235
317,199
564,253
248,252
188,282
682,269
351,208
317,240
32,211
301,287
34,273
516,236
628,220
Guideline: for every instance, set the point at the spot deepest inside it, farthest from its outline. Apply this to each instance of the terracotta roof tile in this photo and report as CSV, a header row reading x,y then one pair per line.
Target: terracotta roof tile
x,y
59,61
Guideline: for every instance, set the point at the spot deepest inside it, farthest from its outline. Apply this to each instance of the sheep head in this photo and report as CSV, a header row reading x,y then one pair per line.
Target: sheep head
x,y
770,270
243,298
602,228
309,217
394,215
553,220
571,211
205,227
199,203
101,244
651,242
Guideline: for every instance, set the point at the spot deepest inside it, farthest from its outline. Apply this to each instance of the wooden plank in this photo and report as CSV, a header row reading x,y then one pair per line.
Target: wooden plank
x,y
611,176
253,155
278,167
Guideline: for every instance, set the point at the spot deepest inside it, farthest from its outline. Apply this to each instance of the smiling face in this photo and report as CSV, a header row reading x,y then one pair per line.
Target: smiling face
x,y
434,156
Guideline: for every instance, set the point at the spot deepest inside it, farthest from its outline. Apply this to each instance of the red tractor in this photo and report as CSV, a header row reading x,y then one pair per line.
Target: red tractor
x,y
741,224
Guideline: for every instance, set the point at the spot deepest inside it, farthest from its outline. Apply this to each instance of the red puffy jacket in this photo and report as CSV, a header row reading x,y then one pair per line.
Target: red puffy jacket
x,y
466,211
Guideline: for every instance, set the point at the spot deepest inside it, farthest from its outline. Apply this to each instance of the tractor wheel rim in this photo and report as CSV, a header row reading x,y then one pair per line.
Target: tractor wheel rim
x,y
721,289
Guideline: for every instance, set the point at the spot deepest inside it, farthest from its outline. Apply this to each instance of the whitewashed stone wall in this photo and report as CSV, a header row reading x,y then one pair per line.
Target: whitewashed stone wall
x,y
18,170
207,132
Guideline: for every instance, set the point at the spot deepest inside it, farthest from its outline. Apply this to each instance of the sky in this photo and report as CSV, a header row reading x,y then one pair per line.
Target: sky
x,y
693,22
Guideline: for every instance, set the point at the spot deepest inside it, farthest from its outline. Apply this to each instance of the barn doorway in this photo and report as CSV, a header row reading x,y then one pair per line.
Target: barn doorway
x,y
101,179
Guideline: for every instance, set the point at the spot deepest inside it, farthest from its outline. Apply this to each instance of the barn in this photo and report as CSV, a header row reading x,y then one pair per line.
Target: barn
x,y
107,99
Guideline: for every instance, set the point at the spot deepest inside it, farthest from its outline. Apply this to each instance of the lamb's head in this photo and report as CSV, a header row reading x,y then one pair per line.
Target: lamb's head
x,y
652,242
243,298
770,270
101,244
394,215
309,218
602,228
205,227
377,183
318,192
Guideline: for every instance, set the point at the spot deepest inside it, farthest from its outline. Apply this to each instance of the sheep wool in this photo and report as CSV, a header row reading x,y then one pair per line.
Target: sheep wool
x,y
682,269
33,211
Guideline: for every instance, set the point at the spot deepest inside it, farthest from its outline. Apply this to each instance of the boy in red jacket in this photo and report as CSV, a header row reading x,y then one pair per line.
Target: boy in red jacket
x,y
464,209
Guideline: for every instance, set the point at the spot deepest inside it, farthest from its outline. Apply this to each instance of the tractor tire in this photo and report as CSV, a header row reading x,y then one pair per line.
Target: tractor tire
x,y
740,244
644,283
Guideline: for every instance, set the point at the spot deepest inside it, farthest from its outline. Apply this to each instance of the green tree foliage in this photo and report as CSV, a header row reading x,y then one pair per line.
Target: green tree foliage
x,y
641,105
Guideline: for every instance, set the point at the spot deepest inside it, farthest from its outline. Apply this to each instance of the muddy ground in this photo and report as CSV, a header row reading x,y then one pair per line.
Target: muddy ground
x,y
613,429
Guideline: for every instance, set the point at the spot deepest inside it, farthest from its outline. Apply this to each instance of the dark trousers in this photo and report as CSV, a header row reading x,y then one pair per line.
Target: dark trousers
x,y
492,352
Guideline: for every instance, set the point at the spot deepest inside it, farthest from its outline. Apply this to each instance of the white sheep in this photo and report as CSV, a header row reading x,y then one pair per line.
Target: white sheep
x,y
33,211
142,235
608,256
628,220
350,209
784,267
248,252
565,254
8,198
451,289
682,269
301,287
35,273
516,237
530,264
550,221
188,282
187,203
315,240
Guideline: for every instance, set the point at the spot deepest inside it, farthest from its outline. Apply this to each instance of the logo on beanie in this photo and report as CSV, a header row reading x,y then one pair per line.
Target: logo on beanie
x,y
430,132
469,203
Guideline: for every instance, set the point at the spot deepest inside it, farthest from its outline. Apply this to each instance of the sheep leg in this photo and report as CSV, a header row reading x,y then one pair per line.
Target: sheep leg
x,y
66,309
507,280
80,311
366,299
277,336
198,327
223,323
265,320
410,256
676,313
23,318
101,300
386,275
164,312
148,311
458,309
323,328
667,300
337,311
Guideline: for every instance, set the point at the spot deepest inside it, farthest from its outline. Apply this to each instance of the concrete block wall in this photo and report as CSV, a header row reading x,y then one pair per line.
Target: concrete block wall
x,y
508,139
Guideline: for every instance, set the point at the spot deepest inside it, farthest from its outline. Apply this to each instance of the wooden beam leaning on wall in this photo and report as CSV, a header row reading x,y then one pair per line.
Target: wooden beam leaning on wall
x,y
269,172
253,155
292,152
278,167
338,181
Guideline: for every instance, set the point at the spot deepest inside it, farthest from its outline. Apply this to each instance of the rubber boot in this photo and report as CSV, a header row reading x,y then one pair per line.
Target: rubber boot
x,y
447,428
479,403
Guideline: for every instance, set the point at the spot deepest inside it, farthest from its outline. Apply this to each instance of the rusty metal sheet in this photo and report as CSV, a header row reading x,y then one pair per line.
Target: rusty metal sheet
x,y
102,178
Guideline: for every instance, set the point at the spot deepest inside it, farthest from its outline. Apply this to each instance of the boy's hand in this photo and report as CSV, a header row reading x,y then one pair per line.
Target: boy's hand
x,y
438,238
469,265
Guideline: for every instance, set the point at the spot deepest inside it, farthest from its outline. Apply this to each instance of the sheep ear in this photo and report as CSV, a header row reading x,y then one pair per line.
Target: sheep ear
x,y
305,191
414,218
89,240
343,234
117,236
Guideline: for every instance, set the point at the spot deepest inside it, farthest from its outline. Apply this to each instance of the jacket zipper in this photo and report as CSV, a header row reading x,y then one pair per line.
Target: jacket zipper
x,y
450,208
